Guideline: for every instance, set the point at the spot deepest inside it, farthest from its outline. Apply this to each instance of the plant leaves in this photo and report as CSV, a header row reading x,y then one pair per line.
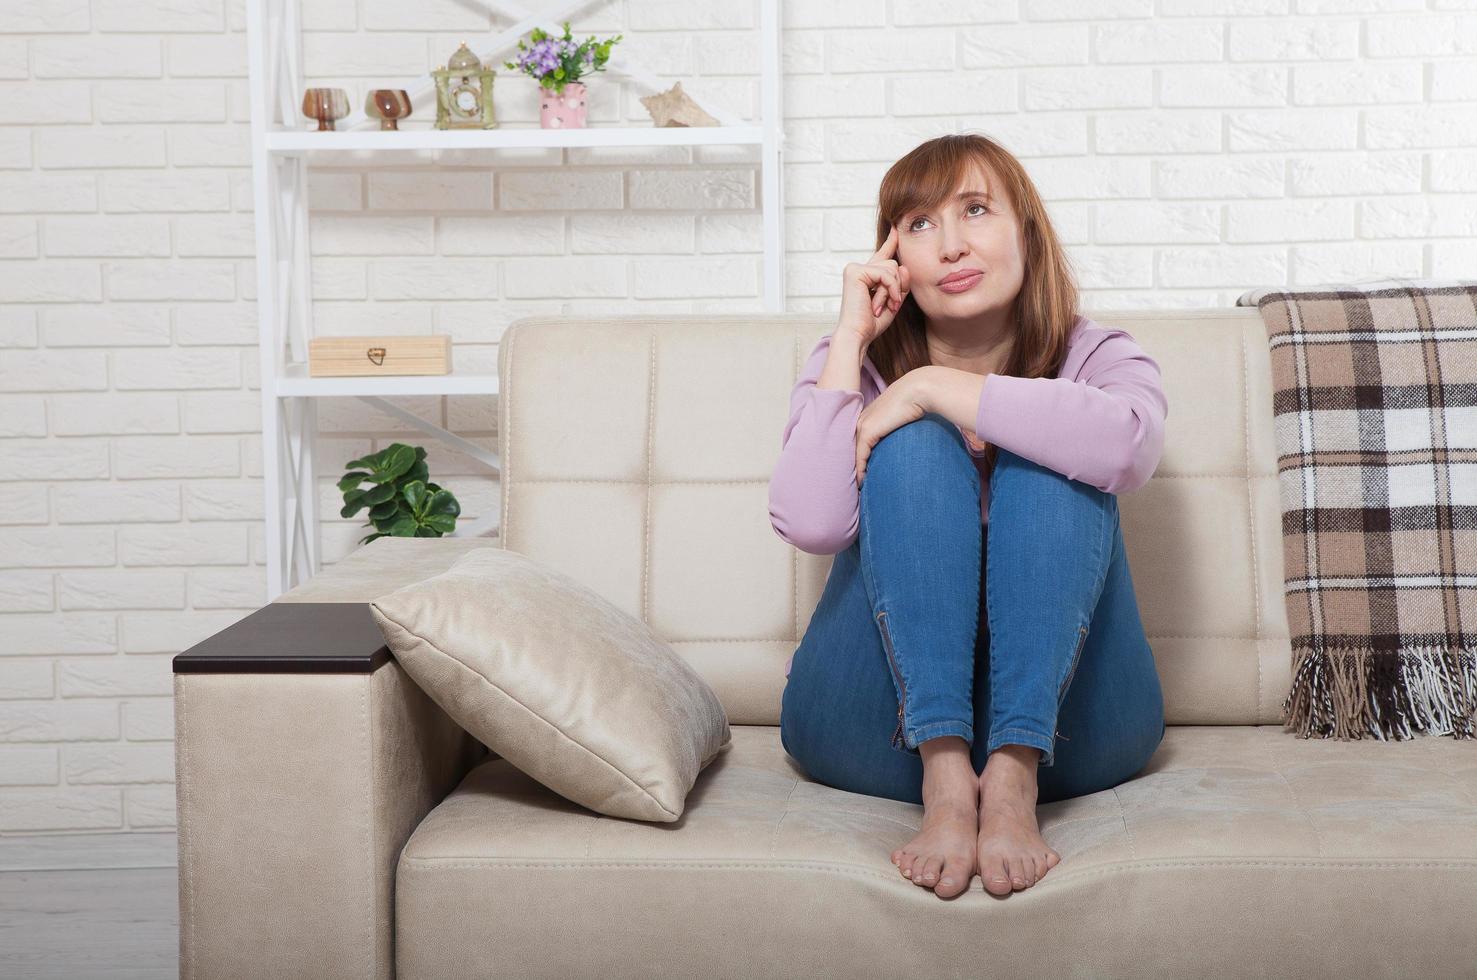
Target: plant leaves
x,y
442,502
384,510
379,494
441,522
414,493
353,503
399,459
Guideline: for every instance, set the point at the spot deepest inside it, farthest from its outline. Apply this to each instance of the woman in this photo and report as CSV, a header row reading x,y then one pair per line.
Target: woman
x,y
960,377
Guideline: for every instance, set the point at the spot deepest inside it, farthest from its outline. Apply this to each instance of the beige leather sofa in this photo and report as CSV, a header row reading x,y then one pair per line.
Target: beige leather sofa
x,y
334,823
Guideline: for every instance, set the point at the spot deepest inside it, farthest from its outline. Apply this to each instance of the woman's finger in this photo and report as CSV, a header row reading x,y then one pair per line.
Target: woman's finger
x,y
878,302
889,278
889,244
888,295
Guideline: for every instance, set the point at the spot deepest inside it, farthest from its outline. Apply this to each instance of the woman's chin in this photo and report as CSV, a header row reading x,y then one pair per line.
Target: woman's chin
x,y
963,304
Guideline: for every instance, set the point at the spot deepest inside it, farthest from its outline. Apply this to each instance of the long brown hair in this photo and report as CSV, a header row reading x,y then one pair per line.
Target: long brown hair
x,y
1044,311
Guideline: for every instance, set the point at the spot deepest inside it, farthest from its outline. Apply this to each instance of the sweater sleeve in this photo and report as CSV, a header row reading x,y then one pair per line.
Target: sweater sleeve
x,y
814,503
1105,429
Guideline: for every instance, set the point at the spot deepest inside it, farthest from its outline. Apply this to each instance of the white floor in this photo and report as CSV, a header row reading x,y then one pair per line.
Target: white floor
x,y
89,906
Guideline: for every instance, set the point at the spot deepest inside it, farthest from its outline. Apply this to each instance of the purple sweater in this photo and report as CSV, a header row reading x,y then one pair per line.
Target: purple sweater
x,y
1100,421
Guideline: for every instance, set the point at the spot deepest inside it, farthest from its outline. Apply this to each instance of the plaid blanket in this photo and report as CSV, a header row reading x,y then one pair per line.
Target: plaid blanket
x,y
1375,406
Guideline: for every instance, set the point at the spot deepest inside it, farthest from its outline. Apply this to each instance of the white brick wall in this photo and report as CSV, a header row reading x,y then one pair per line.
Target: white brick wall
x,y
1189,149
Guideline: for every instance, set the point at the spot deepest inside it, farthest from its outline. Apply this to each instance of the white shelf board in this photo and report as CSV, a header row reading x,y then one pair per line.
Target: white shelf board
x,y
305,141
295,382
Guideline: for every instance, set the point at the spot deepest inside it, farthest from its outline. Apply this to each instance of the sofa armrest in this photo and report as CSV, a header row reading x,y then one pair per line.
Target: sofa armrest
x,y
304,758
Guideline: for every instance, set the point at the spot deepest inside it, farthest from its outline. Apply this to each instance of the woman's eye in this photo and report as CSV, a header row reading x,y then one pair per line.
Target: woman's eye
x,y
914,225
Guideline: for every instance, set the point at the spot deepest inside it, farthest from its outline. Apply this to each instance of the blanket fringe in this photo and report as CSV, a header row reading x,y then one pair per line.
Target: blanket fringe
x,y
1352,692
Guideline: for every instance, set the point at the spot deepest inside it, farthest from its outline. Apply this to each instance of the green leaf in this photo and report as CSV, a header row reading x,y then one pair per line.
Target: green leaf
x,y
425,532
365,462
443,503
384,510
351,480
414,493
370,537
441,522
353,503
401,458
379,494
404,527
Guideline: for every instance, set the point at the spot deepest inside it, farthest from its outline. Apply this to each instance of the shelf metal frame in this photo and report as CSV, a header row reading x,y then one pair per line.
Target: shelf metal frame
x,y
281,153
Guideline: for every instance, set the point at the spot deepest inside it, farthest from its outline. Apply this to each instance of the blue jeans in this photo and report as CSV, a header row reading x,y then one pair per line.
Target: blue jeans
x,y
912,640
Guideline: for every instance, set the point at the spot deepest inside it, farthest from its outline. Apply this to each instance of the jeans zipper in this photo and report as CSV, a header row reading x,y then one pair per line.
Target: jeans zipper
x,y
892,661
1076,657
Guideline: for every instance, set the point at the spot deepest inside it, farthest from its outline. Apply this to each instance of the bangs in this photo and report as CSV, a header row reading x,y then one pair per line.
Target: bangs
x,y
938,180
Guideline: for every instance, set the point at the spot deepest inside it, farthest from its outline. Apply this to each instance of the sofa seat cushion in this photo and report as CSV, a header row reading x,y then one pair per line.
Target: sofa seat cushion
x,y
1240,850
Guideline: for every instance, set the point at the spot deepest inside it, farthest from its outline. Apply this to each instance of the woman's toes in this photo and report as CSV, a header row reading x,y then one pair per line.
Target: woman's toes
x,y
930,872
1052,858
996,878
954,878
1017,873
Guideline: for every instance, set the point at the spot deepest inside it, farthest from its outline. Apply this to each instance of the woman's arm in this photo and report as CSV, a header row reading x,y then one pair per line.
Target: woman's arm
x,y
814,503
1106,430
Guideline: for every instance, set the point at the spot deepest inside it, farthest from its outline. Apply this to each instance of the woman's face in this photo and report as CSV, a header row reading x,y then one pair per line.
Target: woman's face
x,y
973,235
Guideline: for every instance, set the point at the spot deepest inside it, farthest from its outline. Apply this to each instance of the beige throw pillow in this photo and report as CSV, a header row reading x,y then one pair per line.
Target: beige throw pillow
x,y
559,681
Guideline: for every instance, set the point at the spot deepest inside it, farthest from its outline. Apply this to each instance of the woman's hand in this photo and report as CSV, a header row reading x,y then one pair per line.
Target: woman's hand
x,y
905,400
873,292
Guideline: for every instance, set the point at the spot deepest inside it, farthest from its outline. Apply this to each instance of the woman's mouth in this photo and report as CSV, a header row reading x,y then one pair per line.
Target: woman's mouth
x,y
960,285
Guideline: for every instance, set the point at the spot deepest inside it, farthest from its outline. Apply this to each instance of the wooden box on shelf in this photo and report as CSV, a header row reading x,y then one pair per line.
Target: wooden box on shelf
x,y
340,357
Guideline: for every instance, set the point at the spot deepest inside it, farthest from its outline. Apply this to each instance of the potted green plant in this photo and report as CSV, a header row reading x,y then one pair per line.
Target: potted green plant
x,y
557,64
402,500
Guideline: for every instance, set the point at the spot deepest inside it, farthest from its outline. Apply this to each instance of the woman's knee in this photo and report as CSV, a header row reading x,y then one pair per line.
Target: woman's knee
x,y
1018,467
1015,474
911,447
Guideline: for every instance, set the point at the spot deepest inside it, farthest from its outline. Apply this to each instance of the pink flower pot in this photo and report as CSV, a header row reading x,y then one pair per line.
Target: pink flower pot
x,y
562,111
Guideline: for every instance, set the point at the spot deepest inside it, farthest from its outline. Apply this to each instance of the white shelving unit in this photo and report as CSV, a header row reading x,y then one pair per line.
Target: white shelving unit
x,y
282,150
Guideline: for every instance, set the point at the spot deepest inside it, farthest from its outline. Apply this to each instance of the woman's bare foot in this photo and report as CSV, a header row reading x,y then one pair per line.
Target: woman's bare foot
x,y
942,856
1012,854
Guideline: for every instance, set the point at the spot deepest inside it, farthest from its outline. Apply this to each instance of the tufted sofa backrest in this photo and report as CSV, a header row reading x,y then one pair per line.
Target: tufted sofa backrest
x,y
637,452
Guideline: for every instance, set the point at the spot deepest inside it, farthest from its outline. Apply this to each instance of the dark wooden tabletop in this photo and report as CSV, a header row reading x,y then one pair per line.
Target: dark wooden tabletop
x,y
292,638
